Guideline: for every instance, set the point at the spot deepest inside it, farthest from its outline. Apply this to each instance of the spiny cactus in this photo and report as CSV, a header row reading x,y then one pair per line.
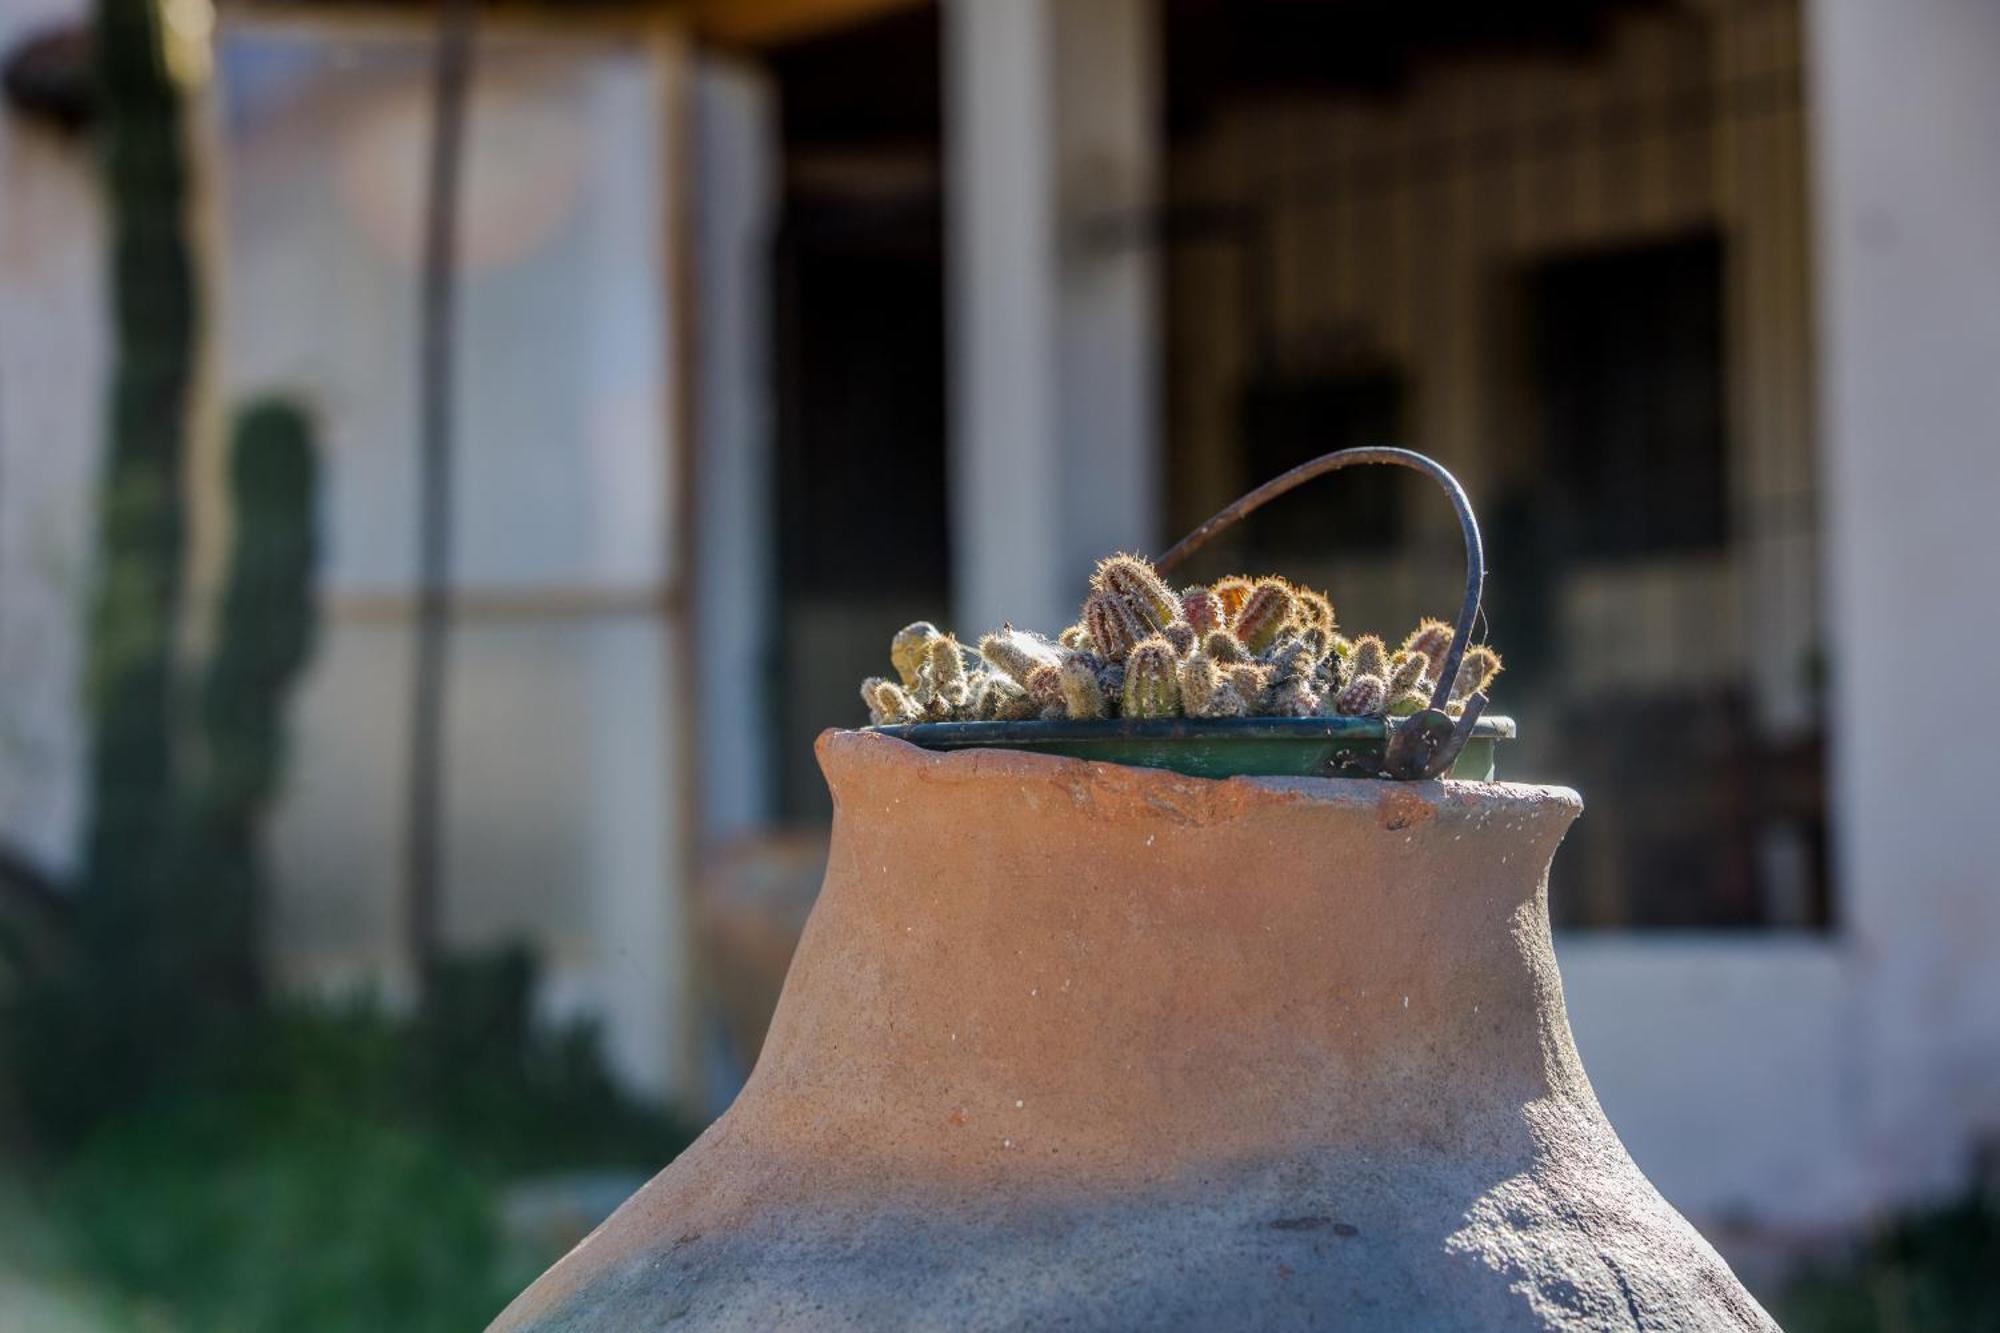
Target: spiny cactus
x,y
1112,624
1111,679
1132,578
1368,658
910,648
1232,592
1363,696
1281,644
1408,704
1082,696
887,702
1152,680
1206,692
1406,673
1045,689
998,699
1432,638
1265,611
947,671
1199,680
1252,680
1476,671
1224,646
1235,648
1295,691
1202,609
1291,652
1017,654
265,638
1314,610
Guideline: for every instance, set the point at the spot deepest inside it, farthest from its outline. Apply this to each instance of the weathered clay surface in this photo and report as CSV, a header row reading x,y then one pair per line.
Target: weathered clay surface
x,y
1071,1044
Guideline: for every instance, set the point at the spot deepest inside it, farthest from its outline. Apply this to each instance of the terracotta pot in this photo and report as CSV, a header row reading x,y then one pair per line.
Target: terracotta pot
x,y
1078,1044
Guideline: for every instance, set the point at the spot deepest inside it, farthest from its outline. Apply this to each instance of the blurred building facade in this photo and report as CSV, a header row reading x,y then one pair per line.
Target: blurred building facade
x,y
786,324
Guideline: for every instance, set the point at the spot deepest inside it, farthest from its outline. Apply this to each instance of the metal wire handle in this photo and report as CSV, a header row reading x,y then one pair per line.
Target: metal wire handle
x,y
1426,744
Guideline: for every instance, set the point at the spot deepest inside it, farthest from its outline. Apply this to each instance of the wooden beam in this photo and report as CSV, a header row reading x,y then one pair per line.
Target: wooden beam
x,y
746,23
772,22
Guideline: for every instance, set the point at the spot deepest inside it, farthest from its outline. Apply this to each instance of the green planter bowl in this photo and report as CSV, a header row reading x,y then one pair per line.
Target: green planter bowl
x,y
1209,748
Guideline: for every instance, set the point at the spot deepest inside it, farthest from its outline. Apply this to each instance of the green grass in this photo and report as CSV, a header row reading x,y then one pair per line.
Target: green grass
x,y
318,1224
340,1170
1936,1271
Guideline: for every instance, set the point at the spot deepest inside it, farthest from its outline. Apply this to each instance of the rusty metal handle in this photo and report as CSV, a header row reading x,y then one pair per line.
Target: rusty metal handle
x,y
1424,745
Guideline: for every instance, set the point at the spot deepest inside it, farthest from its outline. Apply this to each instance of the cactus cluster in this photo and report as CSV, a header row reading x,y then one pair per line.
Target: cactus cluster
x,y
1239,647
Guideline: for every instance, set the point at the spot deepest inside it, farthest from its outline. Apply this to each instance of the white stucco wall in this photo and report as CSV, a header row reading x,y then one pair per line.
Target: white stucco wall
x,y
1724,1065
1907,180
1799,1083
54,344
563,798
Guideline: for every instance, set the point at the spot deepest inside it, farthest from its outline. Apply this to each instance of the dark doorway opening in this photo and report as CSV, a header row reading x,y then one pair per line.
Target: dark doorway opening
x,y
863,544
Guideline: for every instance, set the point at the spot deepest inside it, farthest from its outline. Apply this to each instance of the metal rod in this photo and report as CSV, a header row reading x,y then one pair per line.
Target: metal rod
x,y
1475,553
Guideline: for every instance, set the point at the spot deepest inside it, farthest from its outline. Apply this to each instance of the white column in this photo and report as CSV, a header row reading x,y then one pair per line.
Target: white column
x,y
1049,120
1907,183
734,202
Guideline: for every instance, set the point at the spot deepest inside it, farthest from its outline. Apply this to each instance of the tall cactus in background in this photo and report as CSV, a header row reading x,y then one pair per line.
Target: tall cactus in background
x,y
135,618
92,1034
169,945
265,637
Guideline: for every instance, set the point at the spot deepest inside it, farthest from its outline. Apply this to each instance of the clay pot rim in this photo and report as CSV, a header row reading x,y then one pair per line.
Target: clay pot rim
x,y
1488,727
1212,747
982,764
